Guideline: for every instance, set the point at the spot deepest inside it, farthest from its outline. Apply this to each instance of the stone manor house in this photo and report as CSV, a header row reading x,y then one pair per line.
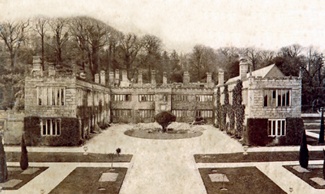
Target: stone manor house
x,y
65,109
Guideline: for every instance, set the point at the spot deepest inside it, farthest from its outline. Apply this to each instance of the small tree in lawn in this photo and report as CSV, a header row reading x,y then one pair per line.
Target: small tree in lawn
x,y
164,119
24,156
321,132
303,154
3,163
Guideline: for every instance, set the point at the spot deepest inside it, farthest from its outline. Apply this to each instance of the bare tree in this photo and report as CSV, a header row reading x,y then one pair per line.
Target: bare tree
x,y
128,50
61,36
41,28
13,35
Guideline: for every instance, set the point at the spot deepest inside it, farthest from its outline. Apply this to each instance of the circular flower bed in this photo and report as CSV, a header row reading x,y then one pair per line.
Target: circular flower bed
x,y
175,131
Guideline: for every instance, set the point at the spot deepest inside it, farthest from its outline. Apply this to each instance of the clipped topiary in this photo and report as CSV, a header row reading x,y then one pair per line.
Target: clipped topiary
x,y
324,165
321,132
165,118
303,154
24,156
3,163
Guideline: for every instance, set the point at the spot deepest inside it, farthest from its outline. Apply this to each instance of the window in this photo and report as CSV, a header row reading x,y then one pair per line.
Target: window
x,y
181,113
146,113
121,112
204,113
180,97
277,98
51,96
121,97
146,97
50,127
203,98
276,127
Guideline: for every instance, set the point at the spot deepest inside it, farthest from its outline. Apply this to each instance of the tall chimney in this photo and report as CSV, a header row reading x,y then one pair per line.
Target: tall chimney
x,y
243,67
97,78
51,70
164,78
140,80
153,77
186,77
221,77
117,77
209,77
111,78
37,67
102,77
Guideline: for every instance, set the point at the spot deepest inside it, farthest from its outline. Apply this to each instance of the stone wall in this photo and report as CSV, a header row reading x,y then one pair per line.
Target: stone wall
x,y
12,126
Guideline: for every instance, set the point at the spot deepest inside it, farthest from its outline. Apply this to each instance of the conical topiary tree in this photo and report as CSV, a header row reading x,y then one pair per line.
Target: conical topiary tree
x,y
24,156
324,165
3,163
303,154
321,132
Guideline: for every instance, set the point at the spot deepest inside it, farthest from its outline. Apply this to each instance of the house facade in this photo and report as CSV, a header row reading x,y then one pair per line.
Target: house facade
x,y
270,98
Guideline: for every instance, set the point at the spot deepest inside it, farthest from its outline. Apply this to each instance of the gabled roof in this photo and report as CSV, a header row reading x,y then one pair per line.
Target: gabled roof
x,y
268,71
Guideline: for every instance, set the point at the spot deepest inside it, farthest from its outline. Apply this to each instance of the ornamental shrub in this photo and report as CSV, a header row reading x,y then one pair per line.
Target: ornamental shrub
x,y
3,163
303,154
164,118
24,156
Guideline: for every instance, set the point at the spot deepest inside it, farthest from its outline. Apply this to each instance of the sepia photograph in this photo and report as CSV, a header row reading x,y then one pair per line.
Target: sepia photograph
x,y
162,97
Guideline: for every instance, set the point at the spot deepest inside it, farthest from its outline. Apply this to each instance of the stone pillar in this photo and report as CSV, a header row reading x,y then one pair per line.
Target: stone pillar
x,y
164,78
153,77
221,77
186,77
102,77
243,68
97,78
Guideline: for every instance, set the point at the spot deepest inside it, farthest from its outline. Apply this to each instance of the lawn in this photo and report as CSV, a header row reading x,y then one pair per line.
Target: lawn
x,y
15,174
67,157
255,157
86,180
243,180
314,171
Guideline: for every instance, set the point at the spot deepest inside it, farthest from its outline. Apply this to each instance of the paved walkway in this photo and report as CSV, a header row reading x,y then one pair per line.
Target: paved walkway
x,y
162,166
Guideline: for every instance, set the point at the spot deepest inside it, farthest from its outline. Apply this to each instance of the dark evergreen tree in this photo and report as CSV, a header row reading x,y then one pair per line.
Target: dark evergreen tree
x,y
3,163
303,154
324,165
24,156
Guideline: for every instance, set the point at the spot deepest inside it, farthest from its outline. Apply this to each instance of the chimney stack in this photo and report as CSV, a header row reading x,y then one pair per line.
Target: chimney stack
x,y
97,78
209,77
37,67
221,77
102,77
117,77
164,78
243,67
153,77
111,78
186,77
51,70
140,80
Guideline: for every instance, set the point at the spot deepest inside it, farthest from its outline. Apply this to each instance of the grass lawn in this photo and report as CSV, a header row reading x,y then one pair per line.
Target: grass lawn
x,y
255,157
86,180
15,172
306,176
67,157
243,180
155,134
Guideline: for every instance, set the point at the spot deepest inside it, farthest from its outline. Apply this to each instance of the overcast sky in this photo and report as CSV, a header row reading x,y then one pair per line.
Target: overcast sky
x,y
182,24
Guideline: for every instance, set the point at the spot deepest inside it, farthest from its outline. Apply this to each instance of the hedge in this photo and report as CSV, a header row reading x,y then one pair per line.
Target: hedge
x,y
69,136
294,132
257,132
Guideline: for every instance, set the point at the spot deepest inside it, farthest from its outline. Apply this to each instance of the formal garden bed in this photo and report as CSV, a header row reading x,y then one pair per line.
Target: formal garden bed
x,y
239,180
174,131
255,157
313,175
18,178
92,180
68,157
